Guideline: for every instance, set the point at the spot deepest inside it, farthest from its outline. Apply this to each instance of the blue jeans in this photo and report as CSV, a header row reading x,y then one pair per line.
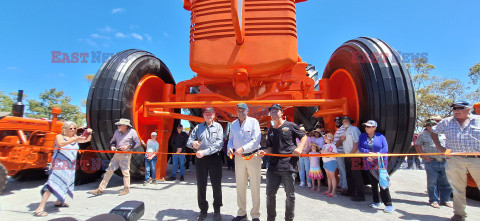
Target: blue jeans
x,y
178,161
342,173
150,167
437,183
304,169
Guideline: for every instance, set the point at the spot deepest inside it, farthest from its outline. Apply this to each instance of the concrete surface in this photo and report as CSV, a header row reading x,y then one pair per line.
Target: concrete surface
x,y
177,201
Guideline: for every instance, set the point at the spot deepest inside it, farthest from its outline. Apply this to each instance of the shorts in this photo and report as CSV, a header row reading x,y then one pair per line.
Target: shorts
x,y
330,166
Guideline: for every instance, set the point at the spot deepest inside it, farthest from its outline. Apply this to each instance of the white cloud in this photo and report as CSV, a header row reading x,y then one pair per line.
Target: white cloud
x,y
120,35
12,68
88,41
137,36
118,10
149,38
99,36
106,29
165,34
134,26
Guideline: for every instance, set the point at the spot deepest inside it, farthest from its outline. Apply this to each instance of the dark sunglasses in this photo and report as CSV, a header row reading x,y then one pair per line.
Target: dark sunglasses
x,y
369,126
72,128
458,108
430,125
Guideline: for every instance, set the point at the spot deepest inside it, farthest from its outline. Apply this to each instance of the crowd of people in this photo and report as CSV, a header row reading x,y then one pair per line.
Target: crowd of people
x,y
247,144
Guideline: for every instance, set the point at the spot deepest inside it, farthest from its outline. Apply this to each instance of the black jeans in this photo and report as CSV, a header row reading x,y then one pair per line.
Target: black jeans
x,y
353,170
384,193
209,165
274,178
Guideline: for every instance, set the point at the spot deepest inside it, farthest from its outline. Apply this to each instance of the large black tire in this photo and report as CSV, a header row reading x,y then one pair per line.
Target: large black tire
x,y
3,177
82,174
385,90
473,193
111,95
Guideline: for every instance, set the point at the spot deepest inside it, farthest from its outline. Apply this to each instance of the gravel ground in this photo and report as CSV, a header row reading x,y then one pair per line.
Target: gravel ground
x,y
170,200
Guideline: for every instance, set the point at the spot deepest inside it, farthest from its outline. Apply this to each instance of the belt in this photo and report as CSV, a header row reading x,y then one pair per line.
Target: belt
x,y
248,154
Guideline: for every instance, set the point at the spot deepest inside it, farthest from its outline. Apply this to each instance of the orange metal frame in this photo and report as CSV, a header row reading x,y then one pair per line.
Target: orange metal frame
x,y
37,151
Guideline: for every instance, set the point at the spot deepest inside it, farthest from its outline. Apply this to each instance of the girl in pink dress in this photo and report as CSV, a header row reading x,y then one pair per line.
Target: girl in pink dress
x,y
315,172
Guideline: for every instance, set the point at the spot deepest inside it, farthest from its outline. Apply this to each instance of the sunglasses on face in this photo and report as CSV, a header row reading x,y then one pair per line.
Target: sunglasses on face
x,y
430,125
73,128
458,108
369,126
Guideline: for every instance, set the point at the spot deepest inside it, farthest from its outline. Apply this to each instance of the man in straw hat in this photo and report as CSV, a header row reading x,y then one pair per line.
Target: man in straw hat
x,y
124,139
206,140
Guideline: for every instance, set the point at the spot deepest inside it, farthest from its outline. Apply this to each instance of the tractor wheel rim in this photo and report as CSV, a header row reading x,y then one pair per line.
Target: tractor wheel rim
x,y
348,90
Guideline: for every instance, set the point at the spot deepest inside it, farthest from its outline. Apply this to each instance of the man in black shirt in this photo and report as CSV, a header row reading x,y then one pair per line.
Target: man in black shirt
x,y
281,140
178,143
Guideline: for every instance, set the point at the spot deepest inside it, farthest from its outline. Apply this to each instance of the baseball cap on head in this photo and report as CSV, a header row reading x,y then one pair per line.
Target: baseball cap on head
x,y
242,105
371,123
275,106
208,110
153,134
430,121
461,104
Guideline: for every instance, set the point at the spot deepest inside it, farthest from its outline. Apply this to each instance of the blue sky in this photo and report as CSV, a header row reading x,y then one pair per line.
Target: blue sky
x,y
30,30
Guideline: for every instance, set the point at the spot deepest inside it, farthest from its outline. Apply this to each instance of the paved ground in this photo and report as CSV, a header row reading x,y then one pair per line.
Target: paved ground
x,y
177,201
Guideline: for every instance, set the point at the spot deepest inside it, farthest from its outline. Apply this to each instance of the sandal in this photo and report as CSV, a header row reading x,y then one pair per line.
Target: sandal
x,y
447,204
40,213
435,205
326,193
61,205
331,195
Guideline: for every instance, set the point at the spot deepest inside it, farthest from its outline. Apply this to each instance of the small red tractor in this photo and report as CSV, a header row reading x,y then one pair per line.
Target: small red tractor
x,y
246,51
26,147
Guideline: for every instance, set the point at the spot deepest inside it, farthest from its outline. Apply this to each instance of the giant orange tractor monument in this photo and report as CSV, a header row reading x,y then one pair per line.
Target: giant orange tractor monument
x,y
247,51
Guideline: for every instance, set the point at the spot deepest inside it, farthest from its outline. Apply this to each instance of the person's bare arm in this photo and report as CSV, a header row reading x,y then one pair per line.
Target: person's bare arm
x,y
436,141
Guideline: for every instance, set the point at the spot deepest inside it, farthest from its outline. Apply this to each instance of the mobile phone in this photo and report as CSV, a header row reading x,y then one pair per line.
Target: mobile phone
x,y
85,134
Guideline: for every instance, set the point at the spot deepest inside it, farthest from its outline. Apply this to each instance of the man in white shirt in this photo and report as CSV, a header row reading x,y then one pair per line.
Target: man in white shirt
x,y
243,142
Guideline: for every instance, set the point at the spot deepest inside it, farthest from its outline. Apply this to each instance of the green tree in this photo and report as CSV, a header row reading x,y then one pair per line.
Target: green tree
x,y
474,73
52,98
434,94
5,103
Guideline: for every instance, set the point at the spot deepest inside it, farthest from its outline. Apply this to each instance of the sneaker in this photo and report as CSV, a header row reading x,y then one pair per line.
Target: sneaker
x,y
124,192
145,183
374,205
96,192
302,184
171,178
217,216
240,218
188,170
457,217
309,185
181,178
201,217
153,182
389,209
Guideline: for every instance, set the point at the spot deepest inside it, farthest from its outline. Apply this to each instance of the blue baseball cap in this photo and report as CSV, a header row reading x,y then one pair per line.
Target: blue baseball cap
x,y
242,105
371,123
461,104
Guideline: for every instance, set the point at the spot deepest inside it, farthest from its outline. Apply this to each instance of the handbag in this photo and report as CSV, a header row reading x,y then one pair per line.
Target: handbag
x,y
383,177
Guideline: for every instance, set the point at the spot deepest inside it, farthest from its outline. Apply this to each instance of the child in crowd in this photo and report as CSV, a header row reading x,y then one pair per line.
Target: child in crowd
x,y
330,164
315,173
